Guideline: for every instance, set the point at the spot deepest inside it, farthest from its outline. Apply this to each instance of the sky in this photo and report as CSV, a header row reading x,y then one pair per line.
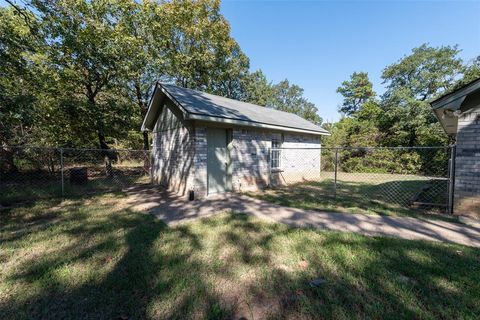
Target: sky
x,y
318,44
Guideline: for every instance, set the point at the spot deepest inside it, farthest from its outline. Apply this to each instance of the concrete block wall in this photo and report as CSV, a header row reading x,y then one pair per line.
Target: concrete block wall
x,y
180,158
249,156
173,151
300,158
467,165
200,162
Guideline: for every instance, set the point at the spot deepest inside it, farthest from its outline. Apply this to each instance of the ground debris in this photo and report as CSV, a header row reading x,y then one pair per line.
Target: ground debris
x,y
317,282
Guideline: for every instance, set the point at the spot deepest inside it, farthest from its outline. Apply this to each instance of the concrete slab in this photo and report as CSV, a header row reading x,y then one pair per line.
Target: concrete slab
x,y
177,209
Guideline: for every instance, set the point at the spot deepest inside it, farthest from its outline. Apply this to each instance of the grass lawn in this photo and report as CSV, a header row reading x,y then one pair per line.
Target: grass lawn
x,y
379,194
97,259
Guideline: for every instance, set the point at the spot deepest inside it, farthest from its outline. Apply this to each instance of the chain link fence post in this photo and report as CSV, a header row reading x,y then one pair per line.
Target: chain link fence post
x,y
451,177
62,173
269,161
336,170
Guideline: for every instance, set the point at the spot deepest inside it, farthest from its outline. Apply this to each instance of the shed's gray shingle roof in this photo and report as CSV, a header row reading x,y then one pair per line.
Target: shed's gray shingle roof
x,y
209,105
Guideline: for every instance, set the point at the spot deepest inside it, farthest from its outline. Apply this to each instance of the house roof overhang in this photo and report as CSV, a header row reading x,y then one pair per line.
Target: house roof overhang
x,y
161,93
448,107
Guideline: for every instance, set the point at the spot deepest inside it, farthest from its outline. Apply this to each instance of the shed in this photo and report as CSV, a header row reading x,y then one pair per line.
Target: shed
x,y
211,144
459,115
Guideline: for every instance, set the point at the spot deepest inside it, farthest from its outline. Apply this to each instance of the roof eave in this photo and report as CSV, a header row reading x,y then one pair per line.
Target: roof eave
x,y
149,114
199,117
152,107
454,100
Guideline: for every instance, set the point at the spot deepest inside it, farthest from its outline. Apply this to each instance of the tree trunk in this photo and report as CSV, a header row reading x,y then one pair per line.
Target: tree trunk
x,y
6,157
143,110
106,153
145,141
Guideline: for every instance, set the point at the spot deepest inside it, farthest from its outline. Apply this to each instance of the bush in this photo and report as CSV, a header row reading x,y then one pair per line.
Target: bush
x,y
381,161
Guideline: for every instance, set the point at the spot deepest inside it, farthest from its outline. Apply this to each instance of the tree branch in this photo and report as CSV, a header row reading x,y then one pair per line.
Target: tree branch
x,y
25,16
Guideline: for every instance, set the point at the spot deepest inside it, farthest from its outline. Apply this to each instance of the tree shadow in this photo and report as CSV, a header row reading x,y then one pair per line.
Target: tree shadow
x,y
126,246
122,264
387,198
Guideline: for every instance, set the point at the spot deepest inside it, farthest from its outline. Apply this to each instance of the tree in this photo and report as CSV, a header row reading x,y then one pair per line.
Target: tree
x,y
142,58
411,82
289,98
470,73
425,73
356,92
84,50
79,73
198,50
257,89
17,80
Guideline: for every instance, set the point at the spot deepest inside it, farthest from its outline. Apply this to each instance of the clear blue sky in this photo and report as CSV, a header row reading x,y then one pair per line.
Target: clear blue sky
x,y
318,44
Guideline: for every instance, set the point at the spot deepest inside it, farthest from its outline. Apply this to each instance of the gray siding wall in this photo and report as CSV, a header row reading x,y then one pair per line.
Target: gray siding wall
x,y
467,165
173,152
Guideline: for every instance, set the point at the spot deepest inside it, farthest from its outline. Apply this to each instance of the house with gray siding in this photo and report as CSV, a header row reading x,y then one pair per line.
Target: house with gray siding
x,y
210,144
459,114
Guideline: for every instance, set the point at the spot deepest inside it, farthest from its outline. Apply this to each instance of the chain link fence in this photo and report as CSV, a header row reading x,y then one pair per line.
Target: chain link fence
x,y
410,178
31,173
400,178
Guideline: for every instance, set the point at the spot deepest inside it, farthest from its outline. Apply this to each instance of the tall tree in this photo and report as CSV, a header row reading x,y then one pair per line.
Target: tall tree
x,y
15,44
411,82
355,92
84,50
471,72
424,73
199,51
257,89
17,49
289,98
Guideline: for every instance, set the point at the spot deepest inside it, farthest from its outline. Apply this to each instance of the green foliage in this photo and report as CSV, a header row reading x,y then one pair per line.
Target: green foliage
x,y
471,73
17,64
80,73
402,116
355,92
424,73
257,89
282,96
289,98
411,82
381,161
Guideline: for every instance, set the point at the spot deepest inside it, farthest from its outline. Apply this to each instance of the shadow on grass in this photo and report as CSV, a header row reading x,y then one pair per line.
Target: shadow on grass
x,y
97,262
387,198
24,190
123,272
31,192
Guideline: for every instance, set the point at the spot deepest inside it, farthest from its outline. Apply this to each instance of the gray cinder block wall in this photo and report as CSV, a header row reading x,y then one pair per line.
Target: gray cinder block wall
x,y
173,151
467,165
180,156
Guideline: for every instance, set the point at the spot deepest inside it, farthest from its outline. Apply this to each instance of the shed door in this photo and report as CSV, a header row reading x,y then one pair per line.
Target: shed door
x,y
218,161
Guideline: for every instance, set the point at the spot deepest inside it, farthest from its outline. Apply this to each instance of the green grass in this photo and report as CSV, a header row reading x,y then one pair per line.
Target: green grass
x,y
27,190
356,195
97,259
